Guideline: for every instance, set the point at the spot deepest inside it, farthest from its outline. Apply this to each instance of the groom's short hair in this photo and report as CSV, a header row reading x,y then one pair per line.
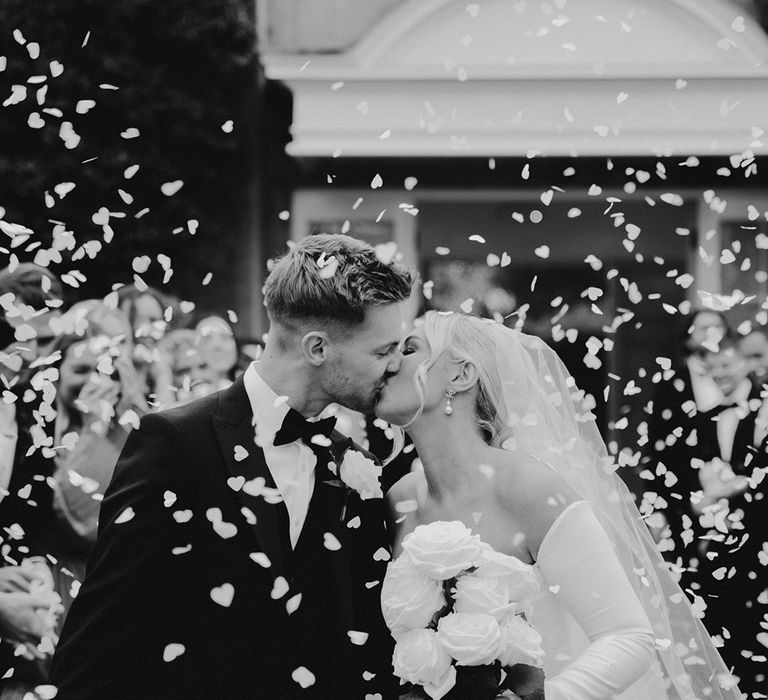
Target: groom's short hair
x,y
332,277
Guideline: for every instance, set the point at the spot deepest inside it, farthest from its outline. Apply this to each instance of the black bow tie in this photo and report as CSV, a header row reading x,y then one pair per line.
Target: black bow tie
x,y
296,427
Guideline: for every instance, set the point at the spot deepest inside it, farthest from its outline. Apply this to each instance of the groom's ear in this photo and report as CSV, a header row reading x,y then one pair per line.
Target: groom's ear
x,y
465,376
314,347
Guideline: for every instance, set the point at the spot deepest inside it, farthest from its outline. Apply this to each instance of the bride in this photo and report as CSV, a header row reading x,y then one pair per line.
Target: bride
x,y
508,450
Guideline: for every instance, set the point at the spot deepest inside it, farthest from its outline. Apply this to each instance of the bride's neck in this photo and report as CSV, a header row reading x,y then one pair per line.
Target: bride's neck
x,y
451,448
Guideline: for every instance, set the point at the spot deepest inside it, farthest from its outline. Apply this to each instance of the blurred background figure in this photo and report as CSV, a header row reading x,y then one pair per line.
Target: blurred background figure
x,y
754,348
31,298
218,350
99,400
684,393
183,355
249,349
731,513
146,311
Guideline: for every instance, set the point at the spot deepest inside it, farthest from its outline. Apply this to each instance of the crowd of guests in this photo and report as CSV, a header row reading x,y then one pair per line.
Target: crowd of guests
x,y
77,379
708,456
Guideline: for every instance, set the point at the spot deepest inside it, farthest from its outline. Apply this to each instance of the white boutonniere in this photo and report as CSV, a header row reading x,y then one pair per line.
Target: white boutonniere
x,y
361,474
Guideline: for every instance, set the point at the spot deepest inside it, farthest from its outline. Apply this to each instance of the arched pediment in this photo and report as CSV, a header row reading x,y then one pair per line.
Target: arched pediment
x,y
519,37
696,69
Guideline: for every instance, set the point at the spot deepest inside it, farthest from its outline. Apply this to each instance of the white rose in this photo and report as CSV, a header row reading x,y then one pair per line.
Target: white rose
x,y
419,658
482,594
473,639
409,599
442,549
518,578
520,643
361,474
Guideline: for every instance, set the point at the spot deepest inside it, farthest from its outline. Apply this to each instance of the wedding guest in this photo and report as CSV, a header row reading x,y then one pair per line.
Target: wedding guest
x,y
215,341
30,300
731,508
683,393
99,400
183,356
754,347
145,309
249,349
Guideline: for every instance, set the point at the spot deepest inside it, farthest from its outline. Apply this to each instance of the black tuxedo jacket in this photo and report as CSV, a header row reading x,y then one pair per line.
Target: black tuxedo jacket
x,y
183,522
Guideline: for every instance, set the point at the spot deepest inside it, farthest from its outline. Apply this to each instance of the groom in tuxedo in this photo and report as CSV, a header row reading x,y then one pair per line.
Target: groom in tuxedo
x,y
232,561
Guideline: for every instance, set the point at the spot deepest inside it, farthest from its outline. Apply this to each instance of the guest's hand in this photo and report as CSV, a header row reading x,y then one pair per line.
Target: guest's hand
x,y
97,400
15,578
24,616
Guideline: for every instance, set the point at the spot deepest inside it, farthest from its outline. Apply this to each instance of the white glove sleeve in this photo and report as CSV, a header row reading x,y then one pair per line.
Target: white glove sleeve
x,y
576,556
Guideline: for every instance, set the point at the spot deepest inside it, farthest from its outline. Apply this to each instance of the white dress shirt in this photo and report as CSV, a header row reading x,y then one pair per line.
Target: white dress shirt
x,y
9,435
293,465
728,420
705,392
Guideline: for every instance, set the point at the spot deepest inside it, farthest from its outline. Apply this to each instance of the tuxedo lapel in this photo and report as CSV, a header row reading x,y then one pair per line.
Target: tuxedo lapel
x,y
325,539
245,460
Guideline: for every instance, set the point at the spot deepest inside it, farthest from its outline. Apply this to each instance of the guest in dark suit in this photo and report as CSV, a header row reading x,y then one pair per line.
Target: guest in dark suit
x,y
232,560
754,347
732,513
677,439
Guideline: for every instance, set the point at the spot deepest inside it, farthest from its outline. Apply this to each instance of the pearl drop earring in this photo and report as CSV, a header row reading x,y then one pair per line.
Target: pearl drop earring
x,y
449,394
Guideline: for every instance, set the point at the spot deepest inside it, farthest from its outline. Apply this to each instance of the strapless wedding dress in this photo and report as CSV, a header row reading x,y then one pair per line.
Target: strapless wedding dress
x,y
598,640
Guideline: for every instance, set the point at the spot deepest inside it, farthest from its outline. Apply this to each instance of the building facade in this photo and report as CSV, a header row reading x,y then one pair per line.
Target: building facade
x,y
586,169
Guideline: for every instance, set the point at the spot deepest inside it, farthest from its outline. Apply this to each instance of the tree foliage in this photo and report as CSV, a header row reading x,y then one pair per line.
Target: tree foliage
x,y
175,73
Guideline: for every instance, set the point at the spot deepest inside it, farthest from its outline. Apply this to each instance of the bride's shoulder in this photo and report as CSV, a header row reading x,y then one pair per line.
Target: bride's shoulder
x,y
523,476
532,490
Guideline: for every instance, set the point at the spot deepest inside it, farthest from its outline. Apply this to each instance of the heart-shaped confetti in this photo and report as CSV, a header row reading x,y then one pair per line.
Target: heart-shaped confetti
x,y
261,559
236,482
303,676
173,651
240,453
357,638
224,529
84,106
255,487
354,523
279,588
141,264
35,121
101,217
331,542
293,603
182,516
381,554
171,188
169,498
223,594
125,516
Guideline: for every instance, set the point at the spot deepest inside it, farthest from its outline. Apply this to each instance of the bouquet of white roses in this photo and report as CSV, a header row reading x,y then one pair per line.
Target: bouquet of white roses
x,y
457,611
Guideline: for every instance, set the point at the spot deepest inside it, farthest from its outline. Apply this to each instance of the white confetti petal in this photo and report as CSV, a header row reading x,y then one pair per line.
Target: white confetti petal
x,y
173,651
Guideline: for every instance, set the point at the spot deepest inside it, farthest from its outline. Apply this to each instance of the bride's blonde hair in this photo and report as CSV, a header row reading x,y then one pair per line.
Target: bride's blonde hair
x,y
467,339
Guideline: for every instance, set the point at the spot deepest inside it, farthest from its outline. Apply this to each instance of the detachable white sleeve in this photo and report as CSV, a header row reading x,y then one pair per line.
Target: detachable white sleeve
x,y
577,561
